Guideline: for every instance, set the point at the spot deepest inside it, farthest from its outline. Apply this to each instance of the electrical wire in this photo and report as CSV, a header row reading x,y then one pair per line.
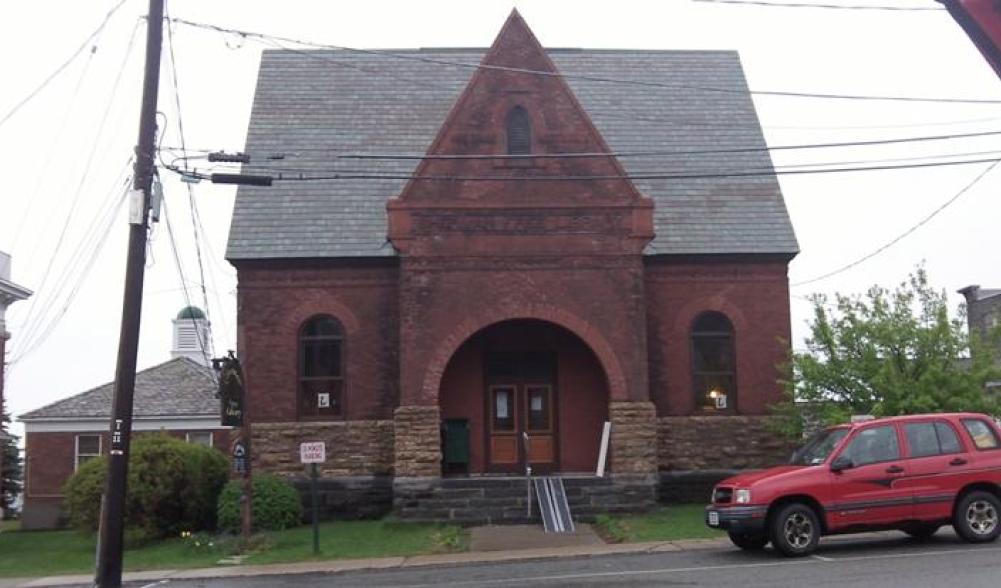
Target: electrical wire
x,y
302,177
590,78
206,353
901,236
37,333
884,8
192,206
597,155
37,301
64,64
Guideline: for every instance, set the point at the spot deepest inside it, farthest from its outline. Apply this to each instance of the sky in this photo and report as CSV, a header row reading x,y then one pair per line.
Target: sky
x,y
65,152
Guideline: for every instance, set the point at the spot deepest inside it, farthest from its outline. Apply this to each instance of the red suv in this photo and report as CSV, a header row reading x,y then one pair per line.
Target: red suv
x,y
913,473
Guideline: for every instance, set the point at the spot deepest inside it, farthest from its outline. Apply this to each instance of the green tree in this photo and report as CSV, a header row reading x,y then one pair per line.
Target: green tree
x,y
12,474
888,353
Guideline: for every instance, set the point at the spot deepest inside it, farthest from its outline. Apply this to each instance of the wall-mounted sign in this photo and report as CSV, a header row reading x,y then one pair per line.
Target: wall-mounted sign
x,y
241,457
313,452
323,400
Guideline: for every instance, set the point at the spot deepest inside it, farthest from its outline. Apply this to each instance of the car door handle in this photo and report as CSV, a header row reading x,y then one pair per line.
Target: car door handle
x,y
894,470
958,462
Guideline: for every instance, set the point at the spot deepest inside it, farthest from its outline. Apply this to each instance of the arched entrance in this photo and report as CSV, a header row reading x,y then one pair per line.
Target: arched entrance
x,y
524,377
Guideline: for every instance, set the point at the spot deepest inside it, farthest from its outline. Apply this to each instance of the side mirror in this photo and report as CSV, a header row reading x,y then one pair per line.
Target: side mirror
x,y
842,462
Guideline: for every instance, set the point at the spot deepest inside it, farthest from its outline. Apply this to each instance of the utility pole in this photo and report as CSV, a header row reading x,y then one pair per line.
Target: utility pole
x,y
110,547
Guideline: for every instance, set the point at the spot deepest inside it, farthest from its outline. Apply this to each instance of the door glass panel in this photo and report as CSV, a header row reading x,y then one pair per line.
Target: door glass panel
x,y
874,445
503,409
922,439
538,409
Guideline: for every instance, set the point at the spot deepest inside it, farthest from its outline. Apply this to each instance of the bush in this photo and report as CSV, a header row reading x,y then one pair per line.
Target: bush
x,y
172,487
277,504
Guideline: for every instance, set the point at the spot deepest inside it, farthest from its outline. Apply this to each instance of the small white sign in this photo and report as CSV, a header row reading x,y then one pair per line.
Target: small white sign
x,y
323,400
314,452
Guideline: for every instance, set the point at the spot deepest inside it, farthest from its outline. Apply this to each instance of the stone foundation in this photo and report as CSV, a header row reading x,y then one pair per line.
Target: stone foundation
x,y
696,452
634,438
418,442
348,497
720,443
504,500
354,448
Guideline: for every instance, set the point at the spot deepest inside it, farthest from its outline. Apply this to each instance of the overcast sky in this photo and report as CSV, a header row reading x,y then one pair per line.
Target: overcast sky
x,y
64,153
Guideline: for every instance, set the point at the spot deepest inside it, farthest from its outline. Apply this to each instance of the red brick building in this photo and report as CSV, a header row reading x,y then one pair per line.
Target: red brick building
x,y
176,397
509,242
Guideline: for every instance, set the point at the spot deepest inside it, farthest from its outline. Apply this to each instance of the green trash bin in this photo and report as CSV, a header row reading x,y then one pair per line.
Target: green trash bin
x,y
455,446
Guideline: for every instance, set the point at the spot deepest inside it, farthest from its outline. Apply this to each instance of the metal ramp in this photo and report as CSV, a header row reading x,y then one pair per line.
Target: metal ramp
x,y
553,505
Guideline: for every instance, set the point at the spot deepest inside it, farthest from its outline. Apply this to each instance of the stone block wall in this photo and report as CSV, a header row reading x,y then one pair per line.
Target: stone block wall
x,y
418,442
696,452
634,438
354,448
720,443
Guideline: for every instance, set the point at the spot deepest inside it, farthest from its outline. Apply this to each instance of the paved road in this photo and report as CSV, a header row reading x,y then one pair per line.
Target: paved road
x,y
884,562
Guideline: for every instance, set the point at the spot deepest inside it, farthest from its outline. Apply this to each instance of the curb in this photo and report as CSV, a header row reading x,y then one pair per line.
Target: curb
x,y
383,563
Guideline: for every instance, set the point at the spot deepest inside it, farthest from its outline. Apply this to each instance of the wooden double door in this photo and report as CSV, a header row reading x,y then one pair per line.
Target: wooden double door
x,y
521,412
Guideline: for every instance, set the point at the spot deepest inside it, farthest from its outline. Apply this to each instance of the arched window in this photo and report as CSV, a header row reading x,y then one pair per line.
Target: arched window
x,y
519,132
713,363
321,368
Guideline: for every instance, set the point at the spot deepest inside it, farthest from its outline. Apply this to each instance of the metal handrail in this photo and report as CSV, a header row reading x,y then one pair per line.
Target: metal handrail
x,y
528,471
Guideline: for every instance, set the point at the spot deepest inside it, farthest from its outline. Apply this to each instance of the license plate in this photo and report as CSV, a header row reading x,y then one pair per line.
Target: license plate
x,y
713,519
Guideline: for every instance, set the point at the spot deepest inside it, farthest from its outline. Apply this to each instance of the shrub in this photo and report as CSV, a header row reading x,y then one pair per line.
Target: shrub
x,y
172,486
277,504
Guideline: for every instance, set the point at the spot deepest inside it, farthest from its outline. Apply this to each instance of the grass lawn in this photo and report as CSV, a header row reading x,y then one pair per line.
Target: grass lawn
x,y
666,523
9,526
43,553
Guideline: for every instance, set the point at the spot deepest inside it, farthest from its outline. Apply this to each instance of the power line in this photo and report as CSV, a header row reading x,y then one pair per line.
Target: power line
x,y
202,343
901,236
827,6
302,177
64,65
86,256
596,155
591,78
192,206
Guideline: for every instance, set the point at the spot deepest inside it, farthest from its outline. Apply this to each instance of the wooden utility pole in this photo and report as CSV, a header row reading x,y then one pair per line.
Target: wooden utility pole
x,y
110,547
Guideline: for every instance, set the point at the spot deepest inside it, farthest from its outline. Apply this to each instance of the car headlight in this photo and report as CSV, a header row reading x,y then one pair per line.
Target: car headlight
x,y
742,496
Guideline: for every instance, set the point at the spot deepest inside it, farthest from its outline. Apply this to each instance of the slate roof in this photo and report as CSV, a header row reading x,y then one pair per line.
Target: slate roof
x,y
310,104
177,388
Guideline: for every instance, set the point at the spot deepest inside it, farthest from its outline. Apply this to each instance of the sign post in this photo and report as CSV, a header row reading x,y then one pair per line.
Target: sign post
x,y
314,453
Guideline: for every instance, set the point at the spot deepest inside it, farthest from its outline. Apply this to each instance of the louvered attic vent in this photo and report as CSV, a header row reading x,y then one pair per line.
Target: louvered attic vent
x,y
519,132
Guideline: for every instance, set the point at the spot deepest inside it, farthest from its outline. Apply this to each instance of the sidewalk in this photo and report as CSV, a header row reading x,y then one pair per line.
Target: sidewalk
x,y
349,565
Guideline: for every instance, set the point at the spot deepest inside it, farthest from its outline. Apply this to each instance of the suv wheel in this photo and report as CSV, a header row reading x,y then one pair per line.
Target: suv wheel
x,y
795,530
749,541
977,517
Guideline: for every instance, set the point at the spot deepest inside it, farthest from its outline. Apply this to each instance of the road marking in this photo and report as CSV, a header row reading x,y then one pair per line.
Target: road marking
x,y
160,583
821,558
625,573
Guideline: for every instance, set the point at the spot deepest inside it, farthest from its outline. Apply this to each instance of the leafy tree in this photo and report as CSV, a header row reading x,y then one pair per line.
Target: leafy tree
x,y
888,353
12,474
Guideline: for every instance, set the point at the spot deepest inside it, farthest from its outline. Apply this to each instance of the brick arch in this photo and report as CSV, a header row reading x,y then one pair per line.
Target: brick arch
x,y
688,313
617,389
330,307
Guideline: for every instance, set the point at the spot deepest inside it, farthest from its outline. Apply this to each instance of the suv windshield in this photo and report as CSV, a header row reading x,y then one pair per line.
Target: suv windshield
x,y
816,450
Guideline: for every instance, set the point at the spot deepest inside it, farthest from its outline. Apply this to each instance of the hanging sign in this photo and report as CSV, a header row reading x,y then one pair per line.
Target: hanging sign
x,y
231,391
